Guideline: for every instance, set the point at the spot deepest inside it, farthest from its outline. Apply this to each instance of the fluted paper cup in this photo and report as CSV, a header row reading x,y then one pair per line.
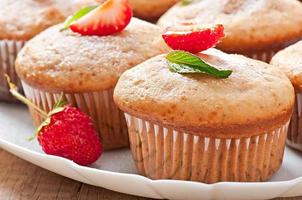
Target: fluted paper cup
x,y
294,138
265,56
268,54
108,119
164,153
9,50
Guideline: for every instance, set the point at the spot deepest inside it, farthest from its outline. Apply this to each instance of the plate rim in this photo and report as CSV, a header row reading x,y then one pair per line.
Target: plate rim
x,y
7,145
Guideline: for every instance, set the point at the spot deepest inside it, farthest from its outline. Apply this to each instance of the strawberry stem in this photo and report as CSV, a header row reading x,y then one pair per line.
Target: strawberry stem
x,y
14,91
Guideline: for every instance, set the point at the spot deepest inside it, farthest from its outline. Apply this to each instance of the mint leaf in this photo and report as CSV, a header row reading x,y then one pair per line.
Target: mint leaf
x,y
81,13
186,63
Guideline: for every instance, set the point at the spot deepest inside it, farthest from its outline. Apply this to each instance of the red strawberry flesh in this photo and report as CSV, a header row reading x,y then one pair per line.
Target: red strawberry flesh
x,y
192,38
109,18
71,135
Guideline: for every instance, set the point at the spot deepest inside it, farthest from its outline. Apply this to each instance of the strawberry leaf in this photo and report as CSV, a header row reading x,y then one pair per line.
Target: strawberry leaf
x,y
186,63
45,123
60,102
55,111
81,13
58,107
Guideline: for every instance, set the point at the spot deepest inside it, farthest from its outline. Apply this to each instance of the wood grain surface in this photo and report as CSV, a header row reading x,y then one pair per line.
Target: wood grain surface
x,y
22,180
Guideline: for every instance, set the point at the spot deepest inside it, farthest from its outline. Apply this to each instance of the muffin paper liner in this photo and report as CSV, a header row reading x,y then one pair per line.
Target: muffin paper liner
x,y
108,119
9,50
294,138
265,56
164,153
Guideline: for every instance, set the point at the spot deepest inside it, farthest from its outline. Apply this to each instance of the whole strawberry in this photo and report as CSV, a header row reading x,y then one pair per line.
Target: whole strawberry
x,y
69,133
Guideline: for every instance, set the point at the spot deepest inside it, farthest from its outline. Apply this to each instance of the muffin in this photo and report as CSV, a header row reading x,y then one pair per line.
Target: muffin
x,y
195,127
257,29
20,21
150,10
85,69
289,61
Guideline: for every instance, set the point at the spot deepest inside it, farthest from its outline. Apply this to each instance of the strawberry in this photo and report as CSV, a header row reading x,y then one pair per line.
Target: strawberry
x,y
67,132
193,38
109,18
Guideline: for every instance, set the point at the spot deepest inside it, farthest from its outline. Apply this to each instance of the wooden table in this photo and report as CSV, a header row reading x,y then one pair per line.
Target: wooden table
x,y
22,180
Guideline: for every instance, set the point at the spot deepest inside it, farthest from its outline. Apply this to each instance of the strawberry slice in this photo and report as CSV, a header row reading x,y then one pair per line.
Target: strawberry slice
x,y
109,18
193,38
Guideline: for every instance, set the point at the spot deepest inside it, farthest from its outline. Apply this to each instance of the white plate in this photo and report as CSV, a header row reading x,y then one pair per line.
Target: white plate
x,y
116,171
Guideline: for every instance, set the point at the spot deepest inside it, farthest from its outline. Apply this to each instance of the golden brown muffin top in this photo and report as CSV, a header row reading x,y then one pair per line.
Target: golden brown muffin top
x,y
289,61
255,98
66,61
250,24
23,19
151,10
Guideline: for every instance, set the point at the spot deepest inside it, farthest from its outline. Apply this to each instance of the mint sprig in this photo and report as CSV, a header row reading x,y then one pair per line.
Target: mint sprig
x,y
186,63
81,13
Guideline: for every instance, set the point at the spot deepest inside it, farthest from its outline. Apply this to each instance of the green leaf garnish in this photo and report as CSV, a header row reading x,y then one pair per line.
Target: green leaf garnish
x,y
186,63
81,13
